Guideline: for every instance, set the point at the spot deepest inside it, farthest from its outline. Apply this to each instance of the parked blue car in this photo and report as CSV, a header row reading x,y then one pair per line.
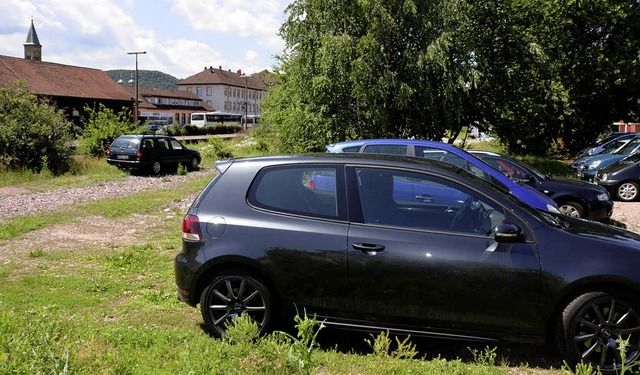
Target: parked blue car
x,y
449,154
594,163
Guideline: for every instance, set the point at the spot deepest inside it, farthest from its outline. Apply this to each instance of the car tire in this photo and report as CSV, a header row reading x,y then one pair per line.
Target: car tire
x,y
572,209
234,294
156,167
628,191
193,164
591,326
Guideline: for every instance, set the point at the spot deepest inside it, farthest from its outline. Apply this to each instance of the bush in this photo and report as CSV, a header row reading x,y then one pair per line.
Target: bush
x,y
34,135
216,149
102,127
205,130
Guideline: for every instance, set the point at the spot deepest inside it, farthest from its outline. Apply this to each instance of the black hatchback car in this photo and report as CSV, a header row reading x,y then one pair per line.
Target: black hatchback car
x,y
622,179
574,197
338,235
153,153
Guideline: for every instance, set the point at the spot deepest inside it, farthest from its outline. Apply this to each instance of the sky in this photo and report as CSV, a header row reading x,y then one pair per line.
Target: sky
x,y
180,37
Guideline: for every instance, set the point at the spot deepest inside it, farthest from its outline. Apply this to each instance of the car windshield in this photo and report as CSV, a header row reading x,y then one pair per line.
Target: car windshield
x,y
613,147
632,159
629,147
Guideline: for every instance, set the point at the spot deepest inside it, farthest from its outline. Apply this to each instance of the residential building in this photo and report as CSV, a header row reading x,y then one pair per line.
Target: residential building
x,y
228,91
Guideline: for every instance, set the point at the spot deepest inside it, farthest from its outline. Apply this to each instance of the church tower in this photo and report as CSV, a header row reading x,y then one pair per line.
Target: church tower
x,y
32,47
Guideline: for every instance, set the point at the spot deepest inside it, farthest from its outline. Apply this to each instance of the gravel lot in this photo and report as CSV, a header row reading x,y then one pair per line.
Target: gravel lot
x,y
19,201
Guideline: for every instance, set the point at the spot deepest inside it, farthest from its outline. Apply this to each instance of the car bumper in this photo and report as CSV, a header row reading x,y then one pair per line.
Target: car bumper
x,y
188,266
587,174
610,185
126,164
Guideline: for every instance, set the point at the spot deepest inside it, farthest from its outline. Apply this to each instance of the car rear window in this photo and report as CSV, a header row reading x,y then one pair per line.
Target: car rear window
x,y
308,190
131,143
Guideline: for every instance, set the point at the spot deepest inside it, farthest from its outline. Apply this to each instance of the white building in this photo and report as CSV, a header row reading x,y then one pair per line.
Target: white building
x,y
228,91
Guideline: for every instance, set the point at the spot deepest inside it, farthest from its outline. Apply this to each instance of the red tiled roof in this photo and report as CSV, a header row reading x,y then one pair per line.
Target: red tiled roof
x,y
218,76
51,79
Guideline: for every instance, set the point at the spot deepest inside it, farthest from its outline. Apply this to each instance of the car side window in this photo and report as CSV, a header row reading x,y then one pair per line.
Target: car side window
x,y
308,190
447,157
163,144
352,149
147,144
386,149
422,201
175,144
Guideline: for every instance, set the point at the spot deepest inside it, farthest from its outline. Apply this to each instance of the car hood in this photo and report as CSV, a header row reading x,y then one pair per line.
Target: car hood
x,y
604,232
606,158
559,183
618,167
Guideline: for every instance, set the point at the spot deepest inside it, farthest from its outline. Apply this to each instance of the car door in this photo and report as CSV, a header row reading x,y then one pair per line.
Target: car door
x,y
302,231
436,265
178,152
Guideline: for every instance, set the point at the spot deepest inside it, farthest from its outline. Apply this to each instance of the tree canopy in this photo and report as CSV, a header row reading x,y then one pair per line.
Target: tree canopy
x,y
541,74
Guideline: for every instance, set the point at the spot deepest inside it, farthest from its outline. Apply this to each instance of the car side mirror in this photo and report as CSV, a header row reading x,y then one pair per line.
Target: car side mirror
x,y
508,233
526,179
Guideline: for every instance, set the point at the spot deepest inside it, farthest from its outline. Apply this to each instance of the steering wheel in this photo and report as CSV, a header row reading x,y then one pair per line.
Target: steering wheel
x,y
461,215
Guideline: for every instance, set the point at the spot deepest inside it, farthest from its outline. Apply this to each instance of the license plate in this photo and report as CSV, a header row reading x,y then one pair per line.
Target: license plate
x,y
122,157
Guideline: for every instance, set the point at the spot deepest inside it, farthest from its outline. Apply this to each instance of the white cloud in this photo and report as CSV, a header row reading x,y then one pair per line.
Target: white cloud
x,y
180,36
260,18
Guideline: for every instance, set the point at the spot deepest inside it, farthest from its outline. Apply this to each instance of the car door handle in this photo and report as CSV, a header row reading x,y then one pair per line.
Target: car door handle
x,y
424,198
368,248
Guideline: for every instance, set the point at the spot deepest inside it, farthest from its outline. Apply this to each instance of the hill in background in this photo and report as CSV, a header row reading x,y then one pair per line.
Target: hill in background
x,y
147,78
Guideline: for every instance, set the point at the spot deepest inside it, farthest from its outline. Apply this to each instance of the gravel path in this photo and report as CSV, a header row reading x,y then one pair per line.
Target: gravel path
x,y
19,202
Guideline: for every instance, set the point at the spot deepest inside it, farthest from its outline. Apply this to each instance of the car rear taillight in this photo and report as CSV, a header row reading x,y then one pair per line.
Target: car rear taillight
x,y
191,229
139,154
108,152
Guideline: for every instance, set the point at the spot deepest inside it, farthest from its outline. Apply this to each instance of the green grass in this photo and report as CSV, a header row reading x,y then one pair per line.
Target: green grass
x,y
84,171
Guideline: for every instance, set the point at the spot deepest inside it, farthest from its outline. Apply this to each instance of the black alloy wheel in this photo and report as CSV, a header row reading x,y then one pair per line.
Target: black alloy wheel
x,y
233,295
593,327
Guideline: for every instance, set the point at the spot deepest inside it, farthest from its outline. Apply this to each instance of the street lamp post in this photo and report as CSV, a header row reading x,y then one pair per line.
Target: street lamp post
x,y
136,102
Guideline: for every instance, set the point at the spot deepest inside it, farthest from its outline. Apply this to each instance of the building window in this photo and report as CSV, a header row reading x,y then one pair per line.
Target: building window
x,y
209,91
199,91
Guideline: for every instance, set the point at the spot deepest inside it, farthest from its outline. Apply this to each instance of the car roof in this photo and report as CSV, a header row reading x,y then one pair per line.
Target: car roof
x,y
346,158
144,136
414,142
